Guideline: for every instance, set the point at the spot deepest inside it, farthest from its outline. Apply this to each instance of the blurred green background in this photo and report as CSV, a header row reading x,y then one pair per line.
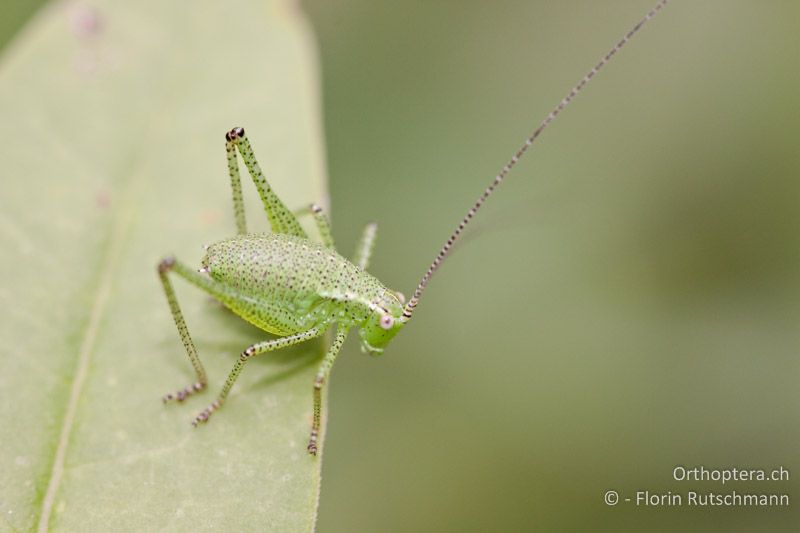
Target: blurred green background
x,y
626,303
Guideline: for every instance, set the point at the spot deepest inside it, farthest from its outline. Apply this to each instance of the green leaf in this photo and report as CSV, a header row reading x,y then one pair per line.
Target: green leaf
x,y
113,156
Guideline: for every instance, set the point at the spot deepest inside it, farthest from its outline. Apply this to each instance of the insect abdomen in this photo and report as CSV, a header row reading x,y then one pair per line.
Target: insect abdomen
x,y
291,284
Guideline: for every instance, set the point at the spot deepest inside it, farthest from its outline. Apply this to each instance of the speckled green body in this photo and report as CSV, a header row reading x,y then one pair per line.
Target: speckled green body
x,y
286,284
292,287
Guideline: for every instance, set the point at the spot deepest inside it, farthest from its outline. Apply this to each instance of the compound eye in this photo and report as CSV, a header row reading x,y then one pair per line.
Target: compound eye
x,y
387,321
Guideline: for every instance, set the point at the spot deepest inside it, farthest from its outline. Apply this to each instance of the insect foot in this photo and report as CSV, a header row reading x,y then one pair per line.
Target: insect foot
x,y
184,392
206,413
235,133
312,441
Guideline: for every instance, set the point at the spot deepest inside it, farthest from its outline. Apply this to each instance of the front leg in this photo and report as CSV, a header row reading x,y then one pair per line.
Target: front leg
x,y
322,375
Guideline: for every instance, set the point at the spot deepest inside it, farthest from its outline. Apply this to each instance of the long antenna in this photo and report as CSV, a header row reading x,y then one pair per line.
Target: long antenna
x,y
440,257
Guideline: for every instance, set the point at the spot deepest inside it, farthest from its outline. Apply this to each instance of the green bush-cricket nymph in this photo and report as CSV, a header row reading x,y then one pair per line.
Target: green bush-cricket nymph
x,y
297,289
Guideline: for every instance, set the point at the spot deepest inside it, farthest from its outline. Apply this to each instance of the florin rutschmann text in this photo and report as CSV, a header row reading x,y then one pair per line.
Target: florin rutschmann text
x,y
745,495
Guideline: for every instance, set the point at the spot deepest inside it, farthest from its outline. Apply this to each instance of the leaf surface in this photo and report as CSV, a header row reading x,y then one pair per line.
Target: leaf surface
x,y
113,156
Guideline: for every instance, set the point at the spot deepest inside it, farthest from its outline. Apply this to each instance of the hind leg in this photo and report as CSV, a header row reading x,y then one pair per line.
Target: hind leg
x,y
280,218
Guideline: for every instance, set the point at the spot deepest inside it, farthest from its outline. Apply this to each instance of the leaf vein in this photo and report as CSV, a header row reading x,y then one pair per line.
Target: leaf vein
x,y
84,357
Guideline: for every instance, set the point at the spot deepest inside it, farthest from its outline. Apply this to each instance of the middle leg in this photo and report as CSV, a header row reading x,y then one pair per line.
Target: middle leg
x,y
250,351
170,264
365,246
